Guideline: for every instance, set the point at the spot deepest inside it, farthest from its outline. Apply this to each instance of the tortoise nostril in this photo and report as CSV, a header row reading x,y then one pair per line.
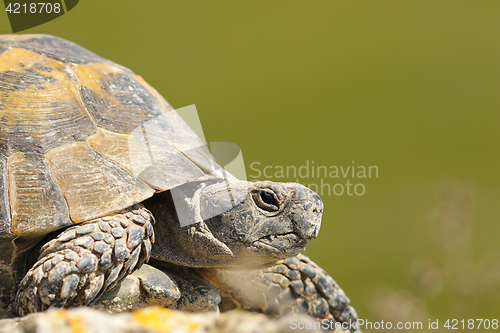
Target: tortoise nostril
x,y
315,210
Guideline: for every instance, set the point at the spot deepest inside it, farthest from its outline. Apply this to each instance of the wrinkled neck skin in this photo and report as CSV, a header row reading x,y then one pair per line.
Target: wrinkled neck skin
x,y
225,224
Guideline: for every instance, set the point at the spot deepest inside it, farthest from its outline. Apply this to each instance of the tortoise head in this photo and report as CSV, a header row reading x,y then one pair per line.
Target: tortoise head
x,y
236,223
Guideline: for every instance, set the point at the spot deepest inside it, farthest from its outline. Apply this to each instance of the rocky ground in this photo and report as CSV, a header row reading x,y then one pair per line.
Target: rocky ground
x,y
154,320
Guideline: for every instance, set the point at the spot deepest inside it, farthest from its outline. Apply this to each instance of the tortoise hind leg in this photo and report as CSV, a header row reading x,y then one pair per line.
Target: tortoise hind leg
x,y
86,260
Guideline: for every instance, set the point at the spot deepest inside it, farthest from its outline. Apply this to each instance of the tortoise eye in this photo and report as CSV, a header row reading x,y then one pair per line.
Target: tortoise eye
x,y
266,200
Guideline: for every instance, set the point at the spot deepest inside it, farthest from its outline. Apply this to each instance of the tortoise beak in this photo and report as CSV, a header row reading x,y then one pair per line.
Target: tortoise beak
x,y
307,221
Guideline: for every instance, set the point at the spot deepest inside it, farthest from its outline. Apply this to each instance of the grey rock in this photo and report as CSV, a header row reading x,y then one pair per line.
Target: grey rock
x,y
154,320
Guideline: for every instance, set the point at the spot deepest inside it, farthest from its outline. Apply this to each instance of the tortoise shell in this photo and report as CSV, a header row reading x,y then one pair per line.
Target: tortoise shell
x,y
82,137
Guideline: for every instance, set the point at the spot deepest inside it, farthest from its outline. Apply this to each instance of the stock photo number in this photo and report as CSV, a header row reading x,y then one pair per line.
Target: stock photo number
x,y
33,8
455,324
28,14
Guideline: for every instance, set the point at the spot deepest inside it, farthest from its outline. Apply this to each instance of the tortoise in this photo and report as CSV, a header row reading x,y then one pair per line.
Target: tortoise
x,y
95,165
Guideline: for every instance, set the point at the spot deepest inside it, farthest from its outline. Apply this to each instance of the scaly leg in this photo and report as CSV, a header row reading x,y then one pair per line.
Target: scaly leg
x,y
86,260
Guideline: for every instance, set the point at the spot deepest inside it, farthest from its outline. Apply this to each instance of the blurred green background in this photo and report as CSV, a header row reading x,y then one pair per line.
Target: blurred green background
x,y
409,86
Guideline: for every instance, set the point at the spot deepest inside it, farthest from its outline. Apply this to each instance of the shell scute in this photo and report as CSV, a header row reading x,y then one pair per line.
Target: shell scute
x,y
116,99
93,185
39,104
37,203
151,159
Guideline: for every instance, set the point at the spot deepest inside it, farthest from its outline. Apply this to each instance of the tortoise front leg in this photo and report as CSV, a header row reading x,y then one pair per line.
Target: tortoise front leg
x,y
294,285
86,260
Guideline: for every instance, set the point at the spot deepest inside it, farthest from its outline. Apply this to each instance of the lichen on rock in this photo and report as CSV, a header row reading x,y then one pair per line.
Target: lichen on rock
x,y
151,320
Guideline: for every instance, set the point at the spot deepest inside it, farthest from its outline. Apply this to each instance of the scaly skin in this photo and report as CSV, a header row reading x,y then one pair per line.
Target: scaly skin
x,y
86,260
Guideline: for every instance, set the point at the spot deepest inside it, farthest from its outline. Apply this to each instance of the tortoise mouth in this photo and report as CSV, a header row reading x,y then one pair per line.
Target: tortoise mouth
x,y
269,239
281,244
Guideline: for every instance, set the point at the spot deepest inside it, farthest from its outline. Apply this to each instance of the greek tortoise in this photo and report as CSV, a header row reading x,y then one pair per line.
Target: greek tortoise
x,y
90,156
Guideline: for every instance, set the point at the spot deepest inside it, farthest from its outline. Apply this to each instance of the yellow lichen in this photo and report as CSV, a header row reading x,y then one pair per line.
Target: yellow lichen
x,y
164,320
75,323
